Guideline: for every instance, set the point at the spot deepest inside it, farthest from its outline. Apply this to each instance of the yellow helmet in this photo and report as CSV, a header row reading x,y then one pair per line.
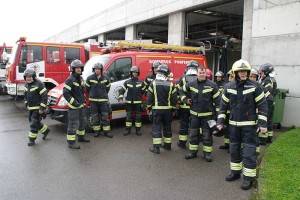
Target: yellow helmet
x,y
241,65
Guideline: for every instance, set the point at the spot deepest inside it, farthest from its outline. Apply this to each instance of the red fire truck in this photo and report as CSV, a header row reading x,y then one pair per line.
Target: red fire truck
x,y
117,62
50,61
4,57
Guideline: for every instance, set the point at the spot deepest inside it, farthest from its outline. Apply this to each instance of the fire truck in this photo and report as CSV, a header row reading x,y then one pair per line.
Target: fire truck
x,y
117,61
51,62
4,57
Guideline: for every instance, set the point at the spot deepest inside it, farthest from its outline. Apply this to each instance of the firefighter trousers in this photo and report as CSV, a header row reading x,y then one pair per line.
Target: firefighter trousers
x,y
100,112
162,119
195,124
35,124
133,110
184,119
243,143
77,123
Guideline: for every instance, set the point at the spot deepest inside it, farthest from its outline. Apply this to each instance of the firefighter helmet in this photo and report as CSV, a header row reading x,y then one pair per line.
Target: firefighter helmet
x,y
192,64
255,72
163,69
266,68
155,64
29,72
219,73
229,73
76,63
209,73
241,65
134,69
98,65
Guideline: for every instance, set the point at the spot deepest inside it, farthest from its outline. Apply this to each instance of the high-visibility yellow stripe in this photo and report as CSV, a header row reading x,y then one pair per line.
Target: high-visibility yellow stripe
x,y
71,137
168,140
183,137
68,87
194,90
222,116
43,129
200,114
128,124
93,81
216,95
232,91
106,128
157,140
236,166
76,84
207,149
98,100
34,88
207,90
193,147
248,91
262,117
249,172
32,135
225,98
78,132
245,123
42,91
257,99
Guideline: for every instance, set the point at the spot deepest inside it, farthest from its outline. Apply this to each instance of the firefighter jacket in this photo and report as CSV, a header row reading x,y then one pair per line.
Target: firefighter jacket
x,y
149,78
98,88
35,95
243,99
271,85
135,88
181,82
73,91
268,95
220,85
161,95
205,97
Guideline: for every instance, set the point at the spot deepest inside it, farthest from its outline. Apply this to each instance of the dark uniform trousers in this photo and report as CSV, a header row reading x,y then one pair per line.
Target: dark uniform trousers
x,y
77,124
162,120
35,124
100,110
136,110
184,118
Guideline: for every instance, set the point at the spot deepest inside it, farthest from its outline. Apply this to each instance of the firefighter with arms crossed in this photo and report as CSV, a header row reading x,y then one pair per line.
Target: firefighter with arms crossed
x,y
35,95
161,98
190,75
97,86
243,97
73,92
135,88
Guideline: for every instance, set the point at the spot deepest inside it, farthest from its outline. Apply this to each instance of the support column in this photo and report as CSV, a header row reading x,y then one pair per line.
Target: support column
x,y
130,32
247,30
176,28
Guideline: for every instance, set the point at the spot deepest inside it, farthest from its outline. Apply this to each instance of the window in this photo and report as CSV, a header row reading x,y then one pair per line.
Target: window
x,y
53,55
71,54
29,54
120,69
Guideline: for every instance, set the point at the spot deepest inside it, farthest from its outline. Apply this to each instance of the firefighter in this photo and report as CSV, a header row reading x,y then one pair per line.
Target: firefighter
x,y
220,81
35,95
135,88
73,92
204,102
97,86
161,99
268,81
209,73
184,114
149,78
230,76
243,97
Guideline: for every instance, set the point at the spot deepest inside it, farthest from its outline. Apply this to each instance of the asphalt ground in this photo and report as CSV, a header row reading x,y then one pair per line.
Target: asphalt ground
x,y
117,168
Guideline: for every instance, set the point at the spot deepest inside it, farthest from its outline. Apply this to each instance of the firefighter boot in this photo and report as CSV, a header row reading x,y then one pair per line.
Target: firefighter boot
x,y
154,149
224,146
127,131
138,131
166,146
232,177
181,144
31,142
207,156
247,184
108,134
81,138
269,139
97,134
191,155
73,145
45,134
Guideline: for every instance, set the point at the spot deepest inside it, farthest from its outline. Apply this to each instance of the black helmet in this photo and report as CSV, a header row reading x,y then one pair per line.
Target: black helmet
x,y
98,66
266,68
155,64
76,63
29,72
163,69
134,69
192,64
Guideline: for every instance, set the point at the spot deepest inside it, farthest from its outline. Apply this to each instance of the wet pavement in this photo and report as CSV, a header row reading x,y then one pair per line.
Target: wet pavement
x,y
117,168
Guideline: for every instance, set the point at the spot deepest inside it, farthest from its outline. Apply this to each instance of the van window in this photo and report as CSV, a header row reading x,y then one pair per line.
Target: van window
x,y
53,55
71,54
120,69
29,54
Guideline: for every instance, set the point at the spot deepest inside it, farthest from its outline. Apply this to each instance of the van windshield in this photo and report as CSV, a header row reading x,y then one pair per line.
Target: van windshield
x,y
103,59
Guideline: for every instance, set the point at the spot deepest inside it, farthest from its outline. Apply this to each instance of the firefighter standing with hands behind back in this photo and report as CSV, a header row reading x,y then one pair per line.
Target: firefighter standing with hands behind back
x,y
135,88
35,95
243,97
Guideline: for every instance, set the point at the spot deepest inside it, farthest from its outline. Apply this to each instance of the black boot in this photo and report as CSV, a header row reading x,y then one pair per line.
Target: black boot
x,y
191,155
127,131
181,144
73,145
232,177
166,146
97,134
207,156
81,138
224,146
108,134
46,133
270,138
138,131
154,149
31,142
246,184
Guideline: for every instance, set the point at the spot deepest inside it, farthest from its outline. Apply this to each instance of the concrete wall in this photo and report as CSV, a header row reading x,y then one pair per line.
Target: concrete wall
x,y
276,39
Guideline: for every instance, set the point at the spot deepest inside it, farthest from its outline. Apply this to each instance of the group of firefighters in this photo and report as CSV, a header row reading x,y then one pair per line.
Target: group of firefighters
x,y
240,109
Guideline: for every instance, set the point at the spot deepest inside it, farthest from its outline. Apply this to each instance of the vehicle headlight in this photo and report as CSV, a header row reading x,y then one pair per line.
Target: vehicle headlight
x,y
62,102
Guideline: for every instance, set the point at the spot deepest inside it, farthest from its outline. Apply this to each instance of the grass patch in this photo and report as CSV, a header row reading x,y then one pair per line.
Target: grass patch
x,y
279,174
